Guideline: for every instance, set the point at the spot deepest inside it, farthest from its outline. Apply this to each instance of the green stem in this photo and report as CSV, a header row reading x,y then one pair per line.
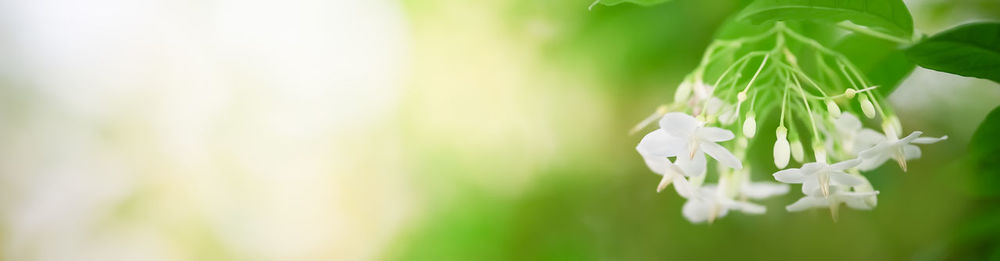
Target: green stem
x,y
873,33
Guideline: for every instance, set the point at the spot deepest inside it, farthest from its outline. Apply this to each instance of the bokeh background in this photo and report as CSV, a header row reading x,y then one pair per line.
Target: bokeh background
x,y
413,130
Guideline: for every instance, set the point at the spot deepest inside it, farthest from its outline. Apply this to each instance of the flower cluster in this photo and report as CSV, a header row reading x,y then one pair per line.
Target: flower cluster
x,y
758,84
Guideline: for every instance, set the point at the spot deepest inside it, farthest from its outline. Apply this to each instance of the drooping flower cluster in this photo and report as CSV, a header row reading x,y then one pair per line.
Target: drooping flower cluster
x,y
757,84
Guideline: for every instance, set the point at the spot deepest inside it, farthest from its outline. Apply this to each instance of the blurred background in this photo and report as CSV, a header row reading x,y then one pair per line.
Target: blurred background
x,y
410,130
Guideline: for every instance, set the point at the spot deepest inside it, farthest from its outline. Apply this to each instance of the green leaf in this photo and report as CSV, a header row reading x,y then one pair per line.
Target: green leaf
x,y
969,50
889,15
638,2
984,152
882,61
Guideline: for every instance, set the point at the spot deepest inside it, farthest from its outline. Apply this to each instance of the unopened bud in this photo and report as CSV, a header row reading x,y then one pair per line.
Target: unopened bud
x,y
891,126
850,93
866,106
781,149
833,108
750,126
742,142
820,152
683,92
798,152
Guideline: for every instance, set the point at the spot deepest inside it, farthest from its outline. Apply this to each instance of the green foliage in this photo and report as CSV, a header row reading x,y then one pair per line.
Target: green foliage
x,y
638,2
969,50
889,15
882,61
979,234
984,151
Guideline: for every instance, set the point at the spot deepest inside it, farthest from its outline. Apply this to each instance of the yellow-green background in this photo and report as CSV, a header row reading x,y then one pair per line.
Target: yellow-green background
x,y
413,130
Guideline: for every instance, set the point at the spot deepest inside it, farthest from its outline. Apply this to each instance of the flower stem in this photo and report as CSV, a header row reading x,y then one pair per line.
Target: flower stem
x,y
872,33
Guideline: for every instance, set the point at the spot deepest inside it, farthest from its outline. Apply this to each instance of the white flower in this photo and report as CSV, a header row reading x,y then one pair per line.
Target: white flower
x,y
852,136
671,174
754,190
887,147
658,145
855,200
762,190
870,201
684,137
817,177
707,204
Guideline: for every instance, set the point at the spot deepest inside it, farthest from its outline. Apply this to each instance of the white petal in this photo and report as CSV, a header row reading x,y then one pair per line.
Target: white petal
x,y
873,158
913,135
720,154
811,186
747,207
911,152
845,164
657,164
660,143
928,140
692,167
845,179
857,203
870,201
791,176
715,134
848,123
848,194
678,124
807,203
760,190
813,167
695,210
683,187
866,139
857,200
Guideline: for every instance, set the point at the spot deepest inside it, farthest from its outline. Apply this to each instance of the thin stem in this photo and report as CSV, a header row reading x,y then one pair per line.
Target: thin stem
x,y
805,77
754,78
784,104
847,75
873,33
740,61
812,120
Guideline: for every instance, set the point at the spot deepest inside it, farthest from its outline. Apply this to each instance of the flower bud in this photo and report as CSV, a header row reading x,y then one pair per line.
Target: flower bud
x,y
798,153
728,116
683,92
742,142
781,150
742,96
833,108
820,152
850,93
750,126
866,106
891,126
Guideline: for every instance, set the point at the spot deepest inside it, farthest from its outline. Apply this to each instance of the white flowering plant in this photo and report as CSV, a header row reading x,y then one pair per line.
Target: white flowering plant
x,y
779,73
